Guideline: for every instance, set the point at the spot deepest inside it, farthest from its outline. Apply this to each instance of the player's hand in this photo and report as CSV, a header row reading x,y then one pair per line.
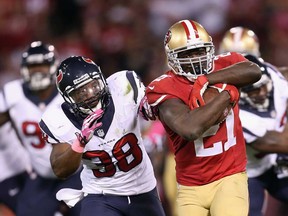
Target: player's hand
x,y
232,90
146,111
90,124
281,167
199,87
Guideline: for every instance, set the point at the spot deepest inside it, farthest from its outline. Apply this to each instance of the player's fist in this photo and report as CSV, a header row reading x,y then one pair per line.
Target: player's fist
x,y
232,90
146,111
90,124
198,89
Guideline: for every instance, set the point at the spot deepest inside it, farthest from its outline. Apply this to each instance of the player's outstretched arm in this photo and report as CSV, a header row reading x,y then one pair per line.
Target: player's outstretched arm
x,y
272,142
240,74
64,160
4,117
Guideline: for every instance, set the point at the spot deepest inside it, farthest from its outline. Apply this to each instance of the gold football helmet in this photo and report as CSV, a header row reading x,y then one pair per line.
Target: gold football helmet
x,y
189,49
240,39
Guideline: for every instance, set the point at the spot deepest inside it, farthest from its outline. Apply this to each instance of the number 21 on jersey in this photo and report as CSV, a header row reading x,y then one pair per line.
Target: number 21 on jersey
x,y
217,147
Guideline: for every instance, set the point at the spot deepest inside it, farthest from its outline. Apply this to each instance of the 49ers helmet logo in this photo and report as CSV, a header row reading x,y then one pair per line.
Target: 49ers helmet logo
x,y
59,76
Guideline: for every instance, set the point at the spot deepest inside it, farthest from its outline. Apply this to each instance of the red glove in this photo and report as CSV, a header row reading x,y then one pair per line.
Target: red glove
x,y
232,90
199,87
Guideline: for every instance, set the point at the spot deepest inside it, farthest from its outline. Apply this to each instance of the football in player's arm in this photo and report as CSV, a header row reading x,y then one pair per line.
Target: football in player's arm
x,y
209,156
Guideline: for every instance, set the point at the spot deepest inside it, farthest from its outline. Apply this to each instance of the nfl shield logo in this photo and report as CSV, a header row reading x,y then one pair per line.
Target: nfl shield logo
x,y
100,132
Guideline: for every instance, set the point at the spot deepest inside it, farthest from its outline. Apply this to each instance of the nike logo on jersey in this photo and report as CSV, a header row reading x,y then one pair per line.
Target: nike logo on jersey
x,y
151,87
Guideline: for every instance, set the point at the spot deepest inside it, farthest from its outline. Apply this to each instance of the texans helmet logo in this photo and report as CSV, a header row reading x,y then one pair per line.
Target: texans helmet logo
x,y
87,60
59,76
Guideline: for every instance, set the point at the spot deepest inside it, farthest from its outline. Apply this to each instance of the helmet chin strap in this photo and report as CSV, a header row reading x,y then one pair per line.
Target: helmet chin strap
x,y
98,106
88,111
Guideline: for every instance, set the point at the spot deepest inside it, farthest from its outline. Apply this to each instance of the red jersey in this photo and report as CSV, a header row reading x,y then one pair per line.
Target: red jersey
x,y
221,149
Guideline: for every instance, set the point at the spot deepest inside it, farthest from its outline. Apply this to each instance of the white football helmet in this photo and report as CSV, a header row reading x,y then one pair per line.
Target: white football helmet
x,y
189,49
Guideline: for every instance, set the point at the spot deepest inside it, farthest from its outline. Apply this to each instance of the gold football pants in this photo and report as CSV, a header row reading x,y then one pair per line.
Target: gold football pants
x,y
225,197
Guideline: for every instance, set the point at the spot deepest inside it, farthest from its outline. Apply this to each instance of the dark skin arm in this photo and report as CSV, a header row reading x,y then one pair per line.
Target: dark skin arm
x,y
64,160
4,117
239,75
272,142
191,124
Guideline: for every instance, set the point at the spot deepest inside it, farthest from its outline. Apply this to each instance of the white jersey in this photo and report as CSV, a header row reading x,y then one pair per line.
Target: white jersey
x,y
256,124
26,112
115,160
14,158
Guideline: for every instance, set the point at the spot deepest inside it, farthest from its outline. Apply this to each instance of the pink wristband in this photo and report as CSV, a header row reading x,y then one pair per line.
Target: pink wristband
x,y
77,147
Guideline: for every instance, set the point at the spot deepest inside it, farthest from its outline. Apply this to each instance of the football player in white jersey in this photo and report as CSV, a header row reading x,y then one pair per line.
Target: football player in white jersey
x,y
24,102
98,125
14,165
263,110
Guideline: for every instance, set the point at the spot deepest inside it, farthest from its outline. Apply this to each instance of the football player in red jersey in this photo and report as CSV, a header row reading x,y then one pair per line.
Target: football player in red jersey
x,y
210,157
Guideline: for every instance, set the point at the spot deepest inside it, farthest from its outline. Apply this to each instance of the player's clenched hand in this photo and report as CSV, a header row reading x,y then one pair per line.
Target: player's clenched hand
x,y
90,124
199,87
146,111
232,90
234,93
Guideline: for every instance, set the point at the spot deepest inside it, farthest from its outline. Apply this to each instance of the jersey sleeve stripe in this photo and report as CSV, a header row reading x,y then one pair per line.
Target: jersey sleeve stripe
x,y
158,101
245,130
131,79
46,130
250,133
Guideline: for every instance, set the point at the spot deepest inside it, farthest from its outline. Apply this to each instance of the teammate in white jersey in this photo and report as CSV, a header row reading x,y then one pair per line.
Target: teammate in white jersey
x,y
25,100
263,109
14,166
98,125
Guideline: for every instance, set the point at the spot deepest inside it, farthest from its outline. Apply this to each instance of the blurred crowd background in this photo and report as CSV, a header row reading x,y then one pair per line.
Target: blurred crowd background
x,y
128,34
